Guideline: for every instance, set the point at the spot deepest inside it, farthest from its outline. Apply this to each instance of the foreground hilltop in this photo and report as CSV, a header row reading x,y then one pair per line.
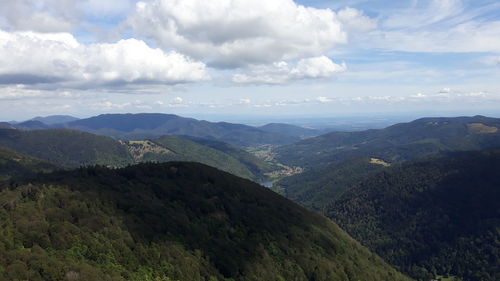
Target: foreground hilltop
x,y
172,221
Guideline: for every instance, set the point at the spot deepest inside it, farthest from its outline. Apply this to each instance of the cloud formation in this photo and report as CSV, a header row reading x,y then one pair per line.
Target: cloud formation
x,y
282,72
235,33
39,15
439,26
59,59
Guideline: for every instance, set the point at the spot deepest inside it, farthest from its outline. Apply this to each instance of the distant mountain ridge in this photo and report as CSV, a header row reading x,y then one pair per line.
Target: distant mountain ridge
x,y
54,119
151,125
398,142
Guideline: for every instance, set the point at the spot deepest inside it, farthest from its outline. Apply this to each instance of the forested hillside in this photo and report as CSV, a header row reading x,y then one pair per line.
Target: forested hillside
x,y
430,217
334,162
73,148
14,164
396,143
173,221
67,147
222,156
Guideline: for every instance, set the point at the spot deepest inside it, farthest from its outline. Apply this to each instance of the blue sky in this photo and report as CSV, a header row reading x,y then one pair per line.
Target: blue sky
x,y
249,57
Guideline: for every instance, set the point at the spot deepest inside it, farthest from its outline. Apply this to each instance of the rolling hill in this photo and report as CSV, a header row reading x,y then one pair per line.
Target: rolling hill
x,y
66,147
436,216
336,161
216,154
73,148
55,119
14,164
152,125
396,143
173,221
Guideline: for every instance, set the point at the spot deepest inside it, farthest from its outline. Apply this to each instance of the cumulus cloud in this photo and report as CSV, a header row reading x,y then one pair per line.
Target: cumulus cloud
x,y
356,21
59,59
282,72
39,15
241,32
324,99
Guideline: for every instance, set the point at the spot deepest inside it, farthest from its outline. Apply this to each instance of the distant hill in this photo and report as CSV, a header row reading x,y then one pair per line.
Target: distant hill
x,y
54,119
175,221
254,164
31,125
396,143
14,164
73,148
336,161
151,125
289,130
222,156
67,147
6,125
437,216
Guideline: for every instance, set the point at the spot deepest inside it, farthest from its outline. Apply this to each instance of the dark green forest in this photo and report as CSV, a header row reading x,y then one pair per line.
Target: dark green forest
x,y
436,216
172,221
73,148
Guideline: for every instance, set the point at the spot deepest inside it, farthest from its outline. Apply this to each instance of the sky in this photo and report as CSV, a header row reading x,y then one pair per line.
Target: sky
x,y
249,57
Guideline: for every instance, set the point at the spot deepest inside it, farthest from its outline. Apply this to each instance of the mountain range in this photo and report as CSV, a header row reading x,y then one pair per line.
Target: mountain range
x,y
423,195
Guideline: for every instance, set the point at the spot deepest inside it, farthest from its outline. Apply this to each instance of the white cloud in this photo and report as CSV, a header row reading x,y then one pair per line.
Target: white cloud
x,y
445,91
177,100
39,15
242,32
245,101
439,26
354,20
107,105
58,59
282,72
324,99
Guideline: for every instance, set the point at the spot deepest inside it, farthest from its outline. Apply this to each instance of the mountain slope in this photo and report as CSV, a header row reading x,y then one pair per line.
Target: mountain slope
x,y
173,148
174,221
396,143
335,162
151,125
435,216
66,147
74,148
253,163
31,125
14,164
